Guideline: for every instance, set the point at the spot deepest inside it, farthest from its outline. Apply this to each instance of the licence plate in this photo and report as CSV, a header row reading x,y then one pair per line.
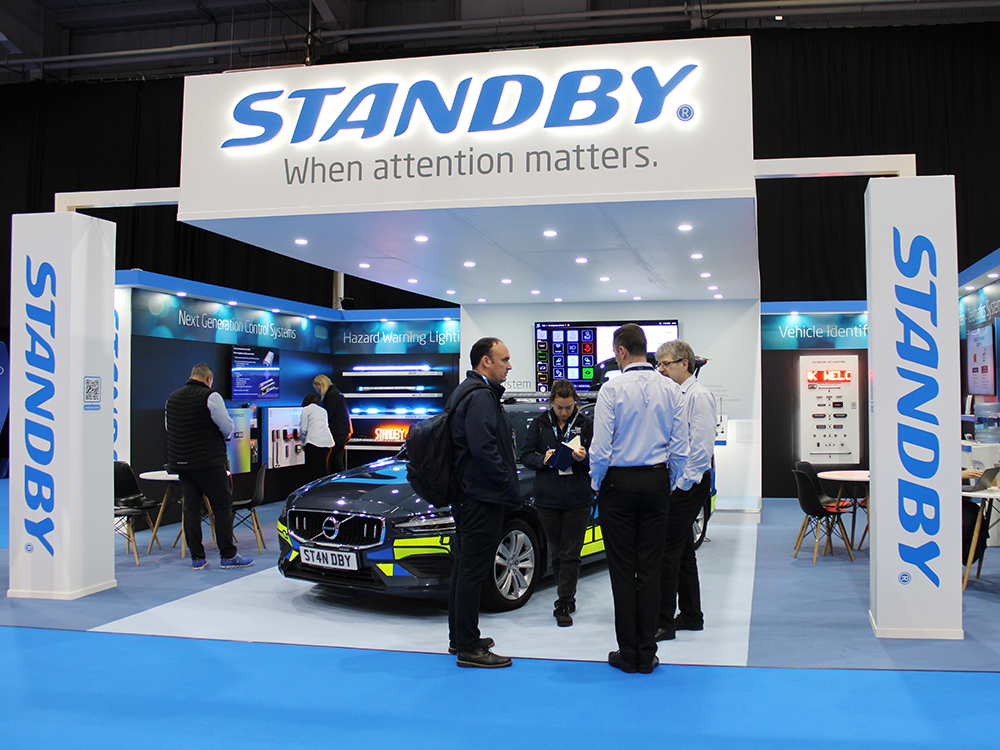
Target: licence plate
x,y
325,558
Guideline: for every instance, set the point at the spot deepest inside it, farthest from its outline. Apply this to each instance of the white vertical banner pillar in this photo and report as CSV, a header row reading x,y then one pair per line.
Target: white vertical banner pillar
x,y
62,422
914,390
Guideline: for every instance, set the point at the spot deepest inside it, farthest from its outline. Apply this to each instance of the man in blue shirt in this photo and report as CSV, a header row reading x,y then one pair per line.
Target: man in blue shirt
x,y
679,584
638,454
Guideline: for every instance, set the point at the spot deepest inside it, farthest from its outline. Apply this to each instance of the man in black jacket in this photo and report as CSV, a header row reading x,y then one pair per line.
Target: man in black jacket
x,y
483,439
198,427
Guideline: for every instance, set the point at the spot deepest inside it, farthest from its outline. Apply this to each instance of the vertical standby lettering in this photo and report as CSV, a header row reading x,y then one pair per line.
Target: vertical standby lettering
x,y
918,449
40,426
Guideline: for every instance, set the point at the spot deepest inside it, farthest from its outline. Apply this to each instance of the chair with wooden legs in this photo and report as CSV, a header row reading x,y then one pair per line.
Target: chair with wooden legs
x,y
819,518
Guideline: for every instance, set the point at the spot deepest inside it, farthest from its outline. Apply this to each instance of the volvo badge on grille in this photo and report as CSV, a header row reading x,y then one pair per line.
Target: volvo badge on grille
x,y
331,526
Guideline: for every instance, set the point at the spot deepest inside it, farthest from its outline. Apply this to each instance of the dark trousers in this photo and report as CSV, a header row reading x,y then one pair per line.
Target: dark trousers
x,y
213,484
337,461
478,527
634,506
316,460
679,583
565,529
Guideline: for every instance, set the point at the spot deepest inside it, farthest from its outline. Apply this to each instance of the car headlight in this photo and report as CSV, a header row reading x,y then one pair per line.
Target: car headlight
x,y
442,525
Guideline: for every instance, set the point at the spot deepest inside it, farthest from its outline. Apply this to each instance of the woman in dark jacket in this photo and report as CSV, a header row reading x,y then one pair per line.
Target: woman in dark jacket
x,y
563,497
333,401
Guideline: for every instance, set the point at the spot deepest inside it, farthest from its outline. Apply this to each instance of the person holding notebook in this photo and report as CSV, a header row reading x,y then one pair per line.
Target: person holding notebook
x,y
563,495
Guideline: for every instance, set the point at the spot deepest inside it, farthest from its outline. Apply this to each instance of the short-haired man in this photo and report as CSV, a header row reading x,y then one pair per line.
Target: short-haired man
x,y
679,582
198,427
483,440
639,449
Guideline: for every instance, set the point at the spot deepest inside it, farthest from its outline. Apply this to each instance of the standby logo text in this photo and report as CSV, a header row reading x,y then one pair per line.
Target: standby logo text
x,y
369,109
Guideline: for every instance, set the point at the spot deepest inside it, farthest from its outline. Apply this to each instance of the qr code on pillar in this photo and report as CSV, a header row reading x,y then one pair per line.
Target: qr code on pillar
x,y
91,390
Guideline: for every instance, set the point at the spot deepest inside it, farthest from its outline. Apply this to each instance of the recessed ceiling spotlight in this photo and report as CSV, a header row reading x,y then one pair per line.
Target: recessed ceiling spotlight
x,y
581,260
557,299
275,310
505,281
717,296
469,264
970,288
411,281
481,299
696,256
685,227
420,238
301,241
993,275
637,298
364,265
706,275
779,18
450,291
605,278
536,291
712,288
182,294
623,291
550,233
232,303
312,317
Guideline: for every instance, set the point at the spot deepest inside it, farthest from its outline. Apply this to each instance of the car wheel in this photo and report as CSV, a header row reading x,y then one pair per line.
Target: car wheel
x,y
700,525
516,568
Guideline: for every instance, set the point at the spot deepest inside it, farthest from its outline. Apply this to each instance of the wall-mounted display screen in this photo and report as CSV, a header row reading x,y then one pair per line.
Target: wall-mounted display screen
x,y
582,352
255,373
980,362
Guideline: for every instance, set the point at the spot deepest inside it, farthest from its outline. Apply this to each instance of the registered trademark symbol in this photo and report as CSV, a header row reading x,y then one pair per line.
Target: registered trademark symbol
x,y
29,547
904,578
685,112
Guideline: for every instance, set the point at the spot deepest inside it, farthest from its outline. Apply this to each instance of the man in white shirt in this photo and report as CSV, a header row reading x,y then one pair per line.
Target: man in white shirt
x,y
639,431
679,579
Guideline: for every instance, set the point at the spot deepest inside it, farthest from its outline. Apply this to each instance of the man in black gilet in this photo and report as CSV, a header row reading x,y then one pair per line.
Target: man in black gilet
x,y
198,427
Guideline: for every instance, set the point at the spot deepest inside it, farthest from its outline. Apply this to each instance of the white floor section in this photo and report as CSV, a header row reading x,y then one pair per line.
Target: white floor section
x,y
266,607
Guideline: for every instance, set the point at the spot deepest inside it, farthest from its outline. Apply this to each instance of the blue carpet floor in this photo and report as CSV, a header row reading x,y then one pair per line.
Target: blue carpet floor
x,y
72,689
90,690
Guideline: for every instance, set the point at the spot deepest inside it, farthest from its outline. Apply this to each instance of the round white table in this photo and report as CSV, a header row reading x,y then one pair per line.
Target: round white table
x,y
986,498
170,495
855,478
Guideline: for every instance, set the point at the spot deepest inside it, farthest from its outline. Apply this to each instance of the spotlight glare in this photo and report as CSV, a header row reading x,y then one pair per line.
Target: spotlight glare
x,y
469,264
420,238
685,227
696,256
301,241
706,275
550,233
581,261
364,265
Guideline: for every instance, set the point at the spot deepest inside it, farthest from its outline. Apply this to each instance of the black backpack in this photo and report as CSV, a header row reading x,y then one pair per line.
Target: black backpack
x,y
431,456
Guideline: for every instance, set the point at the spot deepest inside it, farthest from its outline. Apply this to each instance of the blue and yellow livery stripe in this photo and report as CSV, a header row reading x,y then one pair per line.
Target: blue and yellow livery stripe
x,y
593,541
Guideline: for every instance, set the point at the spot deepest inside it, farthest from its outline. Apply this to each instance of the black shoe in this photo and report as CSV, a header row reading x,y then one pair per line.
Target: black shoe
x,y
561,613
616,661
687,623
483,642
484,658
663,634
648,668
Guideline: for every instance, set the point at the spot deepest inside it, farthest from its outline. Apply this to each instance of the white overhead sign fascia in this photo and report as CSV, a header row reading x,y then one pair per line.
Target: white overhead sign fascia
x,y
642,121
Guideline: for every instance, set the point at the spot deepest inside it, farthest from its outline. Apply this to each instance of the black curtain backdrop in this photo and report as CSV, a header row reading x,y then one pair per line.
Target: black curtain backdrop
x,y
929,90
933,91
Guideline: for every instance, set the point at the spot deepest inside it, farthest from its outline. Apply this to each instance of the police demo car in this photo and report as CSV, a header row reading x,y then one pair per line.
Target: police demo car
x,y
365,529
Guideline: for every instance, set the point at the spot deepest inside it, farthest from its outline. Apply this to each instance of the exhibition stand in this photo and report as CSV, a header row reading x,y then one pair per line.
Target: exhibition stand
x,y
627,148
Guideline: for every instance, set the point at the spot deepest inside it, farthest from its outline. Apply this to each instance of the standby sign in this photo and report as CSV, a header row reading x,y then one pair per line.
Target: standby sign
x,y
653,119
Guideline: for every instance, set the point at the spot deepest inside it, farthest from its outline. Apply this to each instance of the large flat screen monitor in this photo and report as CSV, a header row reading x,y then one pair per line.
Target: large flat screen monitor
x,y
980,361
580,351
256,375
